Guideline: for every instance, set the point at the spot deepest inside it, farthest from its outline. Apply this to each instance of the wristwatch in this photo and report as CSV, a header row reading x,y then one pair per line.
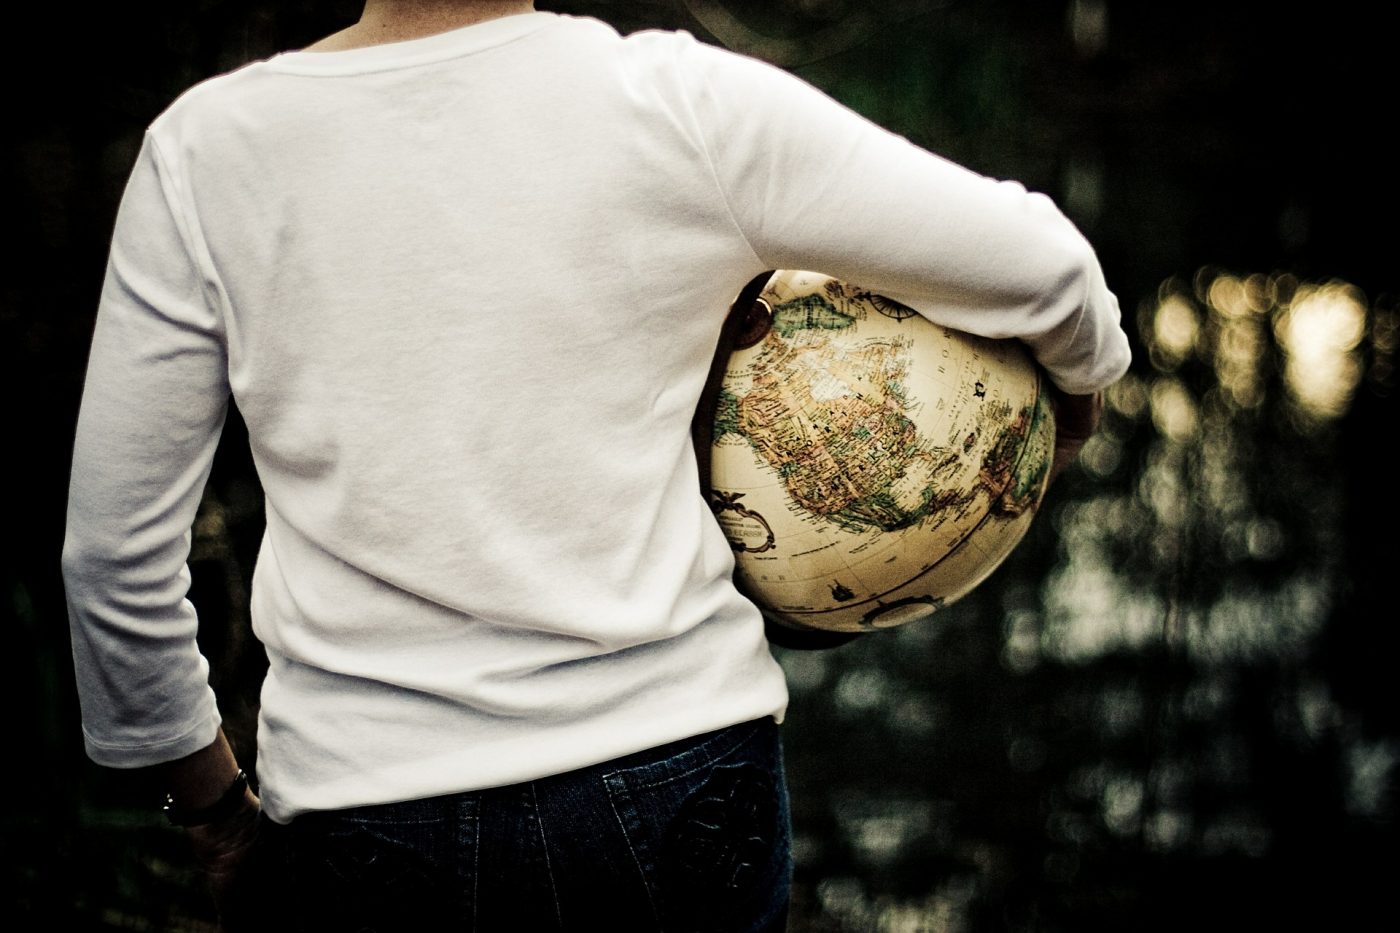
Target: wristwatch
x,y
225,806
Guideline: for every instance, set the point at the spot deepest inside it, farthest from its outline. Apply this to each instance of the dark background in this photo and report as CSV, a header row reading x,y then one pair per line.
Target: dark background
x,y
1210,740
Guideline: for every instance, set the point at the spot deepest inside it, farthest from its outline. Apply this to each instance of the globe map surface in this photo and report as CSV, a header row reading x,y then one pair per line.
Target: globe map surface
x,y
868,466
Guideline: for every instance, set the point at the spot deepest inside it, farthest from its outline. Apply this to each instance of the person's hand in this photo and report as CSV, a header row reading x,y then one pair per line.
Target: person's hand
x,y
1076,420
223,851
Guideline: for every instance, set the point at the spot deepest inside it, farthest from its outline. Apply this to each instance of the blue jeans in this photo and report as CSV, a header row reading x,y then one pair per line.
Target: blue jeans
x,y
690,837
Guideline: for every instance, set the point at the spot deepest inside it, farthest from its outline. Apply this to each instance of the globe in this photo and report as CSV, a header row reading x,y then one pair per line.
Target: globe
x,y
868,466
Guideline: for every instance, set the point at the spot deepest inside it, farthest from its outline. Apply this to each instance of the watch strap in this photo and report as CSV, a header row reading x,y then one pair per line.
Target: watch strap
x,y
225,806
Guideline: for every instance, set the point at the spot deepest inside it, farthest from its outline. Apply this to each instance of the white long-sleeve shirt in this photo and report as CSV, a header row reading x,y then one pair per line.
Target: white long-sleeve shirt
x,y
465,291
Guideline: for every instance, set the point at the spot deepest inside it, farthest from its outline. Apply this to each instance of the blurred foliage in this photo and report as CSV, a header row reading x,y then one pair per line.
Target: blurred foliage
x,y
1171,706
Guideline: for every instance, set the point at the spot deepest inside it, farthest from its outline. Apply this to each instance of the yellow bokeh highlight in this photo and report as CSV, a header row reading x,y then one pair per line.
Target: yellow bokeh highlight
x,y
1240,350
1320,332
1175,328
1230,358
1250,329
1174,410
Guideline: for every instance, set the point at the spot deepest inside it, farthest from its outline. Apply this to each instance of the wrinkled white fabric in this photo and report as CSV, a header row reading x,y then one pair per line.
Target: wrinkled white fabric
x,y
465,291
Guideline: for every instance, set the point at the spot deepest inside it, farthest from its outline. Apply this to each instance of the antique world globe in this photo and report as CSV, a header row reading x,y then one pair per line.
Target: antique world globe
x,y
868,466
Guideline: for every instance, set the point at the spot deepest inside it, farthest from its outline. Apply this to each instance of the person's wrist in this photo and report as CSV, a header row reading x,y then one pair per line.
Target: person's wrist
x,y
228,803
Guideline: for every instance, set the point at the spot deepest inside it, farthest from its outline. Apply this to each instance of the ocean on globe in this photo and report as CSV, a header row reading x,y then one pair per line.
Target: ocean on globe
x,y
868,466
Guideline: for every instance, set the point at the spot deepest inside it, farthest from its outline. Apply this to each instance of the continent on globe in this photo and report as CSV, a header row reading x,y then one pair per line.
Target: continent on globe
x,y
867,465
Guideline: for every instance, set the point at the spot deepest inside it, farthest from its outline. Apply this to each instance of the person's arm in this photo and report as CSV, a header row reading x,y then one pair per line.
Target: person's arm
x,y
154,401
205,789
199,781
814,185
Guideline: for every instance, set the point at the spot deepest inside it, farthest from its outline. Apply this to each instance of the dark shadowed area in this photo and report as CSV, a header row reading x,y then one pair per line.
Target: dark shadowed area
x,y
1171,707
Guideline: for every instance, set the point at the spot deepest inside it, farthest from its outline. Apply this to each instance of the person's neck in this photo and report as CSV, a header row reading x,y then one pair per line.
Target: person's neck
x,y
385,21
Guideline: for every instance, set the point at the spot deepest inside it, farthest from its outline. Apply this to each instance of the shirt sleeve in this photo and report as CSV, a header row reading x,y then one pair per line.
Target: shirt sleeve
x,y
814,185
153,406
